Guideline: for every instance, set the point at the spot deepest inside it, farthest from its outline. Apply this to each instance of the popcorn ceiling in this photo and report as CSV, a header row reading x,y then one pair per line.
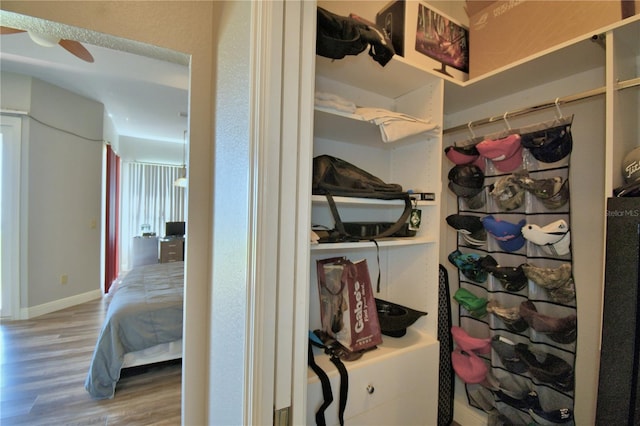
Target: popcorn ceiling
x,y
62,31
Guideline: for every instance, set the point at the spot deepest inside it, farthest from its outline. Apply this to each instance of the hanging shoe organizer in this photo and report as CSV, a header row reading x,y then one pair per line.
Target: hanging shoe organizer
x,y
516,344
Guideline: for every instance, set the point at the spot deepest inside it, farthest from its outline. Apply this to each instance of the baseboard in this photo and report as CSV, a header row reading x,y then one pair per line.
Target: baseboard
x,y
56,305
465,415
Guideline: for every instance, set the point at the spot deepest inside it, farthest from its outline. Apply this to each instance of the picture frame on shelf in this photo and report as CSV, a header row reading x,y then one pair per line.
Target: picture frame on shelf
x,y
441,39
427,38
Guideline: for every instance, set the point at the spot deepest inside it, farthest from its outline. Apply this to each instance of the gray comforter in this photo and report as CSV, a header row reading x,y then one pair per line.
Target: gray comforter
x,y
146,310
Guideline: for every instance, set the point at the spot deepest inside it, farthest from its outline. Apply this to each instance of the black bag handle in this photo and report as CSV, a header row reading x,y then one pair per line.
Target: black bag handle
x,y
397,226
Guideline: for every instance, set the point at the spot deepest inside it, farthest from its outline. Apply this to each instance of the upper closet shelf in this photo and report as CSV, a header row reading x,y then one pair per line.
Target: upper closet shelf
x,y
395,79
340,126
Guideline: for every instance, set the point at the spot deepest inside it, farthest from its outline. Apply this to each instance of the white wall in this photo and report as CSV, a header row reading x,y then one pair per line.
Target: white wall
x,y
231,224
60,191
15,91
151,151
109,132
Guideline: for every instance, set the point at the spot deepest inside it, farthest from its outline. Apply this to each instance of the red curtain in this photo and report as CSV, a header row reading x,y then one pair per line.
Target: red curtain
x,y
112,219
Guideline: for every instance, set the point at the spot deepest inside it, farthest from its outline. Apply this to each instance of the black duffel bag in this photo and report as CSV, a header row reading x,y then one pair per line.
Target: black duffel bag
x,y
335,177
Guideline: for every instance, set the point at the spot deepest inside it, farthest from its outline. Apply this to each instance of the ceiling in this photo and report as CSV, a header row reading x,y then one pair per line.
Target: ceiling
x,y
146,95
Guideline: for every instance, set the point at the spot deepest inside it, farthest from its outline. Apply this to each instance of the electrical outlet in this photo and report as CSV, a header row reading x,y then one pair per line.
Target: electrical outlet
x,y
64,278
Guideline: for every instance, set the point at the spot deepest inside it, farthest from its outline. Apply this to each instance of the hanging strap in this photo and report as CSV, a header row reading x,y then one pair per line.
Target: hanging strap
x,y
344,386
327,394
326,387
378,258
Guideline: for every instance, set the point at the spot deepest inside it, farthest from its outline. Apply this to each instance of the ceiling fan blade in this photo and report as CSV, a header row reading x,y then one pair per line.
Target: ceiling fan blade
x,y
8,30
77,49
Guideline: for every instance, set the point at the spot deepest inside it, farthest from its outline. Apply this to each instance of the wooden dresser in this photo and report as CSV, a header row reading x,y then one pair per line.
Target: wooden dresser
x,y
171,249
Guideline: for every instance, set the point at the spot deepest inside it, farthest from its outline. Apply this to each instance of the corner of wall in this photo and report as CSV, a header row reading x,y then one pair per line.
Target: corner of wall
x,y
15,92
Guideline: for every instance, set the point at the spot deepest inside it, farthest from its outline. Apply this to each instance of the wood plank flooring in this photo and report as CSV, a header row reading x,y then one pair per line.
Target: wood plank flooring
x,y
43,365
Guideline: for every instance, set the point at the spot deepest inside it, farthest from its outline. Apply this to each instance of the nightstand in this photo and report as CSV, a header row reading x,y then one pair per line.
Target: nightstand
x,y
171,249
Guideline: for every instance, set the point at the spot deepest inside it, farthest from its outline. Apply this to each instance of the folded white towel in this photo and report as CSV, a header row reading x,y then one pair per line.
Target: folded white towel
x,y
333,101
338,106
395,130
331,97
394,125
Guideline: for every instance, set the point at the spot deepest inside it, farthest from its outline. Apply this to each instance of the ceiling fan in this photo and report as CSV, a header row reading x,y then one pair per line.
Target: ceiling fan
x,y
74,47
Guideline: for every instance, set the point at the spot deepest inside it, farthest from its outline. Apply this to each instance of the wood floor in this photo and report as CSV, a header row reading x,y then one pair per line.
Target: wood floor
x,y
43,365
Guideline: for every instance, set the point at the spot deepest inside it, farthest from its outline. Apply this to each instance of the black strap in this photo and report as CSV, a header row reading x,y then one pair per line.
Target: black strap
x,y
378,257
344,386
327,394
336,216
326,387
397,226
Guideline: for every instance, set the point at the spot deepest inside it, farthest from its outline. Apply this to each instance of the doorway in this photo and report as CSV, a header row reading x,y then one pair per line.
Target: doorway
x,y
10,137
145,96
178,83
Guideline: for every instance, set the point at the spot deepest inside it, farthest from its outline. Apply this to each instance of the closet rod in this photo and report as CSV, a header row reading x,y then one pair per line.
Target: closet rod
x,y
628,83
550,104
528,110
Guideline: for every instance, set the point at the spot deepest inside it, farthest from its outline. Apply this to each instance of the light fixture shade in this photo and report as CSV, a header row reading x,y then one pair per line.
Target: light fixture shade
x,y
180,182
45,40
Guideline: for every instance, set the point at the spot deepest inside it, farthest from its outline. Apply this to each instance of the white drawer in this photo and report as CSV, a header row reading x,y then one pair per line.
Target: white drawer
x,y
405,380
413,408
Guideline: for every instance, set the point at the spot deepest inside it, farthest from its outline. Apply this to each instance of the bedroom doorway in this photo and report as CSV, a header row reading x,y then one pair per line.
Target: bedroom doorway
x,y
10,136
176,79
145,93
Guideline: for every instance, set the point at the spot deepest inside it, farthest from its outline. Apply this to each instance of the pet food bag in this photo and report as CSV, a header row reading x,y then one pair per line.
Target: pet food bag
x,y
347,304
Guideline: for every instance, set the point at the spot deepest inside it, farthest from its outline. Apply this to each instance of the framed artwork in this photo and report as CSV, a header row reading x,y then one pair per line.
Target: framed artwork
x,y
441,39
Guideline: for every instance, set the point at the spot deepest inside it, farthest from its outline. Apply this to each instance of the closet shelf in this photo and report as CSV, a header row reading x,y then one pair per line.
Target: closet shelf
x,y
340,126
335,125
390,347
321,199
363,72
382,242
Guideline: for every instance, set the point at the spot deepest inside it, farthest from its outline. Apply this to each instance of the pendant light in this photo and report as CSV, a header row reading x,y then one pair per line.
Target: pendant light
x,y
182,181
42,39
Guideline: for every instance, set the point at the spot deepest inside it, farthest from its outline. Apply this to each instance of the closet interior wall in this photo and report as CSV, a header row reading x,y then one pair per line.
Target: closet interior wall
x,y
587,175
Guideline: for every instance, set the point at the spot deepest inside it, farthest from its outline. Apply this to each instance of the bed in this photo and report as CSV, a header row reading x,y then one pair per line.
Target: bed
x,y
143,325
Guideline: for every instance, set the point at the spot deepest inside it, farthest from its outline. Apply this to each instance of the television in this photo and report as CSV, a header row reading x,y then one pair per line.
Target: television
x,y
174,229
442,40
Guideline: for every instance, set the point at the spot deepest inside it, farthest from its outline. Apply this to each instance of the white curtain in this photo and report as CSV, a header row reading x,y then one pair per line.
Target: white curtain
x,y
148,197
